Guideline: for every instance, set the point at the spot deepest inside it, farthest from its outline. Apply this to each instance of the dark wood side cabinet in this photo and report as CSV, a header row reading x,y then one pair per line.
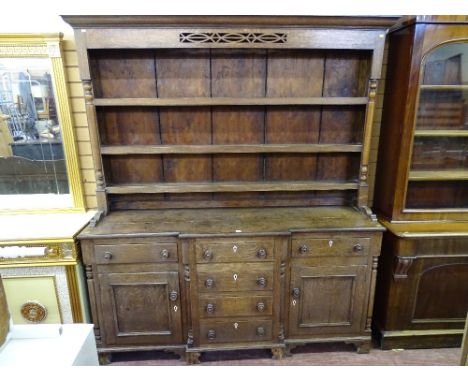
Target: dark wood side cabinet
x,y
232,177
421,193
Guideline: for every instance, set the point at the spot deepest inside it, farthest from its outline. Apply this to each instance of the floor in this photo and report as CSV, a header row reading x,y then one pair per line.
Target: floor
x,y
309,355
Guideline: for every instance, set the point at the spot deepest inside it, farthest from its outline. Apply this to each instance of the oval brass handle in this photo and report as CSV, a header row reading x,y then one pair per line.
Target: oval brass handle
x,y
208,254
164,254
260,331
358,247
303,249
296,292
108,255
260,306
211,334
261,254
173,296
210,308
209,283
261,281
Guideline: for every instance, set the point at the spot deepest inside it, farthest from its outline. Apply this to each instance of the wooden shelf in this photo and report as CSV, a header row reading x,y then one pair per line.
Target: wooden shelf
x,y
438,175
230,149
157,188
441,133
444,87
208,101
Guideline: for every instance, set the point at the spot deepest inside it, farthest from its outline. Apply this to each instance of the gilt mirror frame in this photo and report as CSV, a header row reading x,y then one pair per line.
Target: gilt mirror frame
x,y
49,46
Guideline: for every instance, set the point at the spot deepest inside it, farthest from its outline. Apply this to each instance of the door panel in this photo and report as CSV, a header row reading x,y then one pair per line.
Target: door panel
x,y
326,299
141,308
437,293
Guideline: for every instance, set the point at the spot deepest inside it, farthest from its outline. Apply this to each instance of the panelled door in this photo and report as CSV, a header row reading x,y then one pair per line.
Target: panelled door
x,y
141,308
326,300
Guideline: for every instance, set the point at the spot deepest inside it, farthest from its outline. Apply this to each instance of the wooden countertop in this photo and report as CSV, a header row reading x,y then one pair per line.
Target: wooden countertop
x,y
229,221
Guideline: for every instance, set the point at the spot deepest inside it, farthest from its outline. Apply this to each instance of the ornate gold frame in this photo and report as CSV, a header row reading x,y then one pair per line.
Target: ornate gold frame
x,y
50,46
60,252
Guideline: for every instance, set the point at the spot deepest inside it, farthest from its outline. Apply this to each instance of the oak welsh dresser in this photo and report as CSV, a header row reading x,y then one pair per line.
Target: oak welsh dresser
x,y
231,162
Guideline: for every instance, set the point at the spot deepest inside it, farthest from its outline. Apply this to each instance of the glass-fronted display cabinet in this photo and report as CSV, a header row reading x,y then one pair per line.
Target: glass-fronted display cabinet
x,y
421,193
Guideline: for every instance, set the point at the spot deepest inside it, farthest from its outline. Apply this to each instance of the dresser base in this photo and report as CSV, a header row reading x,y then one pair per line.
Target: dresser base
x,y
278,351
419,339
363,344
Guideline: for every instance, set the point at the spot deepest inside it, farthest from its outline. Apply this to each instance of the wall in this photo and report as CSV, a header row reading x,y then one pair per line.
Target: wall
x,y
54,23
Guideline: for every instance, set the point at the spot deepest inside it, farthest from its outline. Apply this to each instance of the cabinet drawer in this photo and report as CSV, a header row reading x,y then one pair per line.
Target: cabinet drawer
x,y
231,250
136,253
235,277
225,306
212,332
332,246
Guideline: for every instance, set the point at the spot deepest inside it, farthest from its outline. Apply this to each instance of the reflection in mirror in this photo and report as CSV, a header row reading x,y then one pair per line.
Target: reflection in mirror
x,y
31,152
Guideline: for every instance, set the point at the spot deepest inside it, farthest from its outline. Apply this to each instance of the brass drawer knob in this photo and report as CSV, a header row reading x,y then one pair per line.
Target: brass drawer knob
x,y
165,254
260,331
262,253
108,255
358,248
261,281
174,295
209,283
296,292
260,306
211,334
210,308
208,254
303,249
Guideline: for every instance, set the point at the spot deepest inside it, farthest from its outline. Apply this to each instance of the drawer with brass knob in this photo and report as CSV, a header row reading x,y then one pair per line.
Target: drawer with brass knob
x,y
310,246
235,277
232,250
235,306
138,252
221,331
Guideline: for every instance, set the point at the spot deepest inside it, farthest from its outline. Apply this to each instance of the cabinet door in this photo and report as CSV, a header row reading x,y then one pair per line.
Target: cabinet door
x,y
434,295
140,308
438,175
326,300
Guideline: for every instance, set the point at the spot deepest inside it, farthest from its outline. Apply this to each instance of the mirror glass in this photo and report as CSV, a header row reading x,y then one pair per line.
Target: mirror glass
x,y
33,171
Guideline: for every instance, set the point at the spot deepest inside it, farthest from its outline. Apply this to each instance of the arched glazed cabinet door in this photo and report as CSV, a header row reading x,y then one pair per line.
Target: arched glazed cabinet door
x,y
438,174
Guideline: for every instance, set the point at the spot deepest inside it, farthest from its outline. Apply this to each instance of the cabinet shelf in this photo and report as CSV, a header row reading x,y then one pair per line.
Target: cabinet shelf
x,y
441,133
230,149
227,101
438,175
156,188
444,87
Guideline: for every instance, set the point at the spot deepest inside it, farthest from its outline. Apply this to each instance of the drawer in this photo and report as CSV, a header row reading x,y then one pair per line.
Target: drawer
x,y
225,306
331,246
136,253
231,250
235,277
212,332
